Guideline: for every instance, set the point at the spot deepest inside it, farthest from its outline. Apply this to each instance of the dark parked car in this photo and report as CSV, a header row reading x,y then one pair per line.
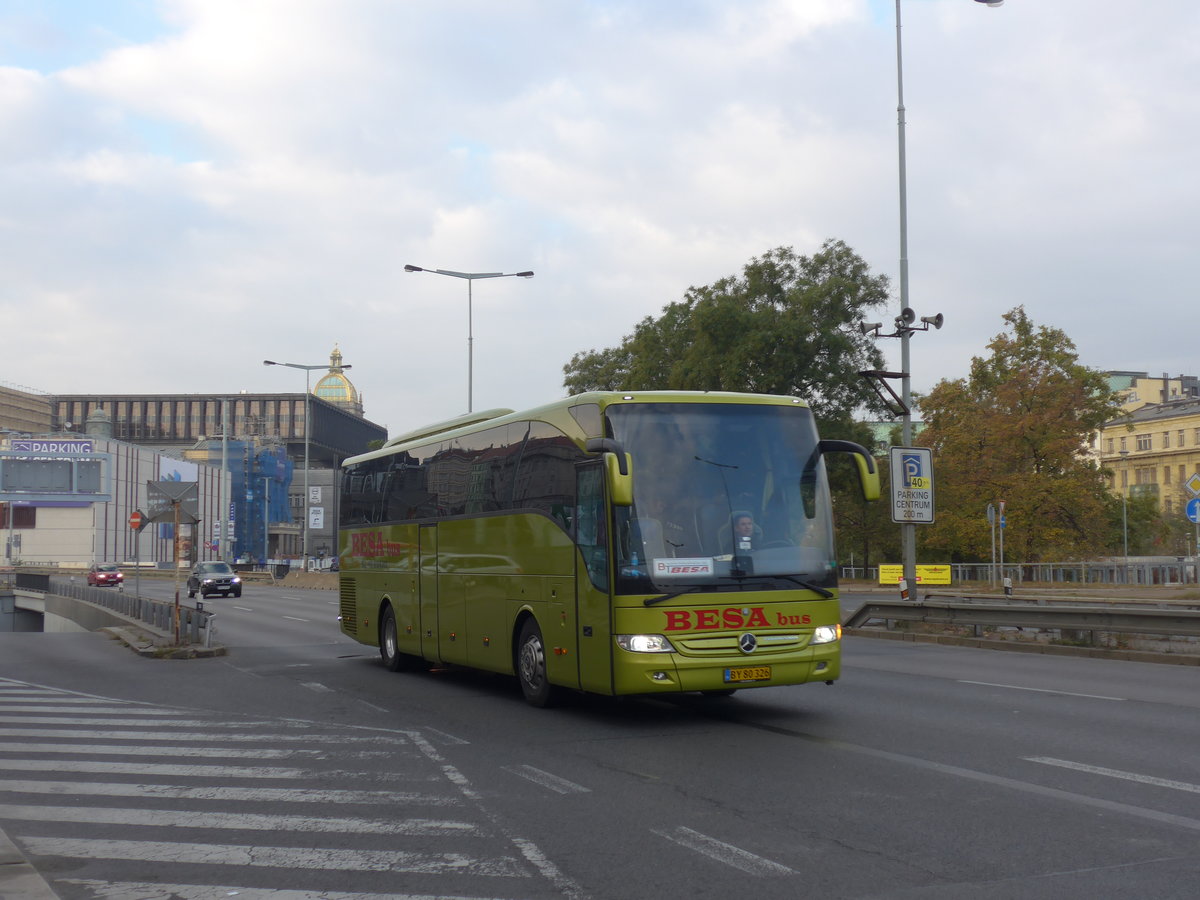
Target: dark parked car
x,y
213,578
105,573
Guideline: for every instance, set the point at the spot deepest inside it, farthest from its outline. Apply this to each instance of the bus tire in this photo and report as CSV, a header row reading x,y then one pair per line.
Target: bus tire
x,y
389,647
531,666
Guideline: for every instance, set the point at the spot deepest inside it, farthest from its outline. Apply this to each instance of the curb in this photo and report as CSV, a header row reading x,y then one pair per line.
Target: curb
x,y
18,879
156,646
1150,656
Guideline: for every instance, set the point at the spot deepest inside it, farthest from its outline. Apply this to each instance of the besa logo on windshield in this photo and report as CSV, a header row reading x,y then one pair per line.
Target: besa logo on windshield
x,y
729,617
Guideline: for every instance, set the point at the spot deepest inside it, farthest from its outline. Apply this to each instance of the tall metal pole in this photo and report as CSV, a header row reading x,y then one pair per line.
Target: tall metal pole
x,y
908,531
307,434
470,346
470,277
222,499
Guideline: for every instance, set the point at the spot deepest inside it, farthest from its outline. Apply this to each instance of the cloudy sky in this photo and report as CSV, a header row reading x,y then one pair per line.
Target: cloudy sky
x,y
191,186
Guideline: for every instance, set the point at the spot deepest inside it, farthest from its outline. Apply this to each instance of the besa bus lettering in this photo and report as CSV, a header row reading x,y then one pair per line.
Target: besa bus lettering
x,y
729,617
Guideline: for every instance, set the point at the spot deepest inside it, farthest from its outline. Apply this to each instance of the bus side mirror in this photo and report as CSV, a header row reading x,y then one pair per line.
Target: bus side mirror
x,y
620,469
620,478
868,472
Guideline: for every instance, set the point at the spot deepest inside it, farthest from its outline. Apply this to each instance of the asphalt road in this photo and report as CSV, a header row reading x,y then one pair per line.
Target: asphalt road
x,y
296,767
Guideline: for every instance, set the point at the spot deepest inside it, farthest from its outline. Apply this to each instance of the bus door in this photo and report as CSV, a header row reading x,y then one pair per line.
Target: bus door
x,y
427,569
590,527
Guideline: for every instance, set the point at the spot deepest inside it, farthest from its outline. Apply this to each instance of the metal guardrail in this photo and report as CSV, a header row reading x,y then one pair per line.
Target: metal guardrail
x,y
195,626
1074,616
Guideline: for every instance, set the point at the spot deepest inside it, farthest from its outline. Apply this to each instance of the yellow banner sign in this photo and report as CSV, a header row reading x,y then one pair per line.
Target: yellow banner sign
x,y
891,574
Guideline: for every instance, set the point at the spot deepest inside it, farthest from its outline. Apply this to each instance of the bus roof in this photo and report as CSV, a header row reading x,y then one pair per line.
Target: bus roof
x,y
558,413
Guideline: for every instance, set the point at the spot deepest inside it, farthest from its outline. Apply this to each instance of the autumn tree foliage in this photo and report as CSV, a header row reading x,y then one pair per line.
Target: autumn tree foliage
x,y
1018,429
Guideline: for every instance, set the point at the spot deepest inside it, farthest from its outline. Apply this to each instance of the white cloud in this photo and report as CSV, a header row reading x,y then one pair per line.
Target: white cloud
x,y
264,171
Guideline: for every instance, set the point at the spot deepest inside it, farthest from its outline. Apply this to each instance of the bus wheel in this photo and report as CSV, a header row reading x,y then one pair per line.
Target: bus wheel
x,y
531,666
389,650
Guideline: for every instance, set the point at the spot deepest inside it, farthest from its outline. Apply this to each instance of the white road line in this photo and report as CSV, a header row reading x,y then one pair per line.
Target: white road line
x,y
317,686
178,792
1017,687
58,700
1116,773
722,852
134,890
171,752
294,618
149,769
109,710
546,780
164,818
443,736
275,857
245,608
297,737
132,720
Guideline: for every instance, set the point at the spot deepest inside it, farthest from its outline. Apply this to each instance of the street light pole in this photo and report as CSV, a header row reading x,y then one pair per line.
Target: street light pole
x,y
307,434
470,277
908,531
1125,509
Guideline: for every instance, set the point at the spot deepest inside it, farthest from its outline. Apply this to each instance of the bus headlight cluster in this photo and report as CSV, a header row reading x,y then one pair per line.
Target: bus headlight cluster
x,y
644,643
826,634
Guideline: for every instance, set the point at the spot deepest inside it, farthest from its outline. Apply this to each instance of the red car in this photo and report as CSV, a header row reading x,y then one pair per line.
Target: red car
x,y
105,573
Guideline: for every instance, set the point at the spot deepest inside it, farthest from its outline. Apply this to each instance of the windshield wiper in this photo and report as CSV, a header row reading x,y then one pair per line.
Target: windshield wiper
x,y
650,601
806,585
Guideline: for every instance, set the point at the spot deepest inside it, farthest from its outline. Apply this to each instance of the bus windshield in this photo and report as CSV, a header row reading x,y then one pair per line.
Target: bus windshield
x,y
726,496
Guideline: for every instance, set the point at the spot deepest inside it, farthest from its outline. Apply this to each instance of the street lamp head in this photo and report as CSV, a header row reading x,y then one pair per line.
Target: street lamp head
x,y
524,274
991,2
270,362
413,269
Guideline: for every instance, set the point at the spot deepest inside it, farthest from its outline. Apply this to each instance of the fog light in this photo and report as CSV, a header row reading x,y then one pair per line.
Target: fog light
x,y
659,676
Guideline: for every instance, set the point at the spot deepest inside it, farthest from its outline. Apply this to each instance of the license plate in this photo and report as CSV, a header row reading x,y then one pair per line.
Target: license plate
x,y
748,673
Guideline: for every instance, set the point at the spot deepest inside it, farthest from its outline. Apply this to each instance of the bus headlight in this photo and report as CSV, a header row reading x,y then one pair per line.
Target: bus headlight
x,y
644,643
826,634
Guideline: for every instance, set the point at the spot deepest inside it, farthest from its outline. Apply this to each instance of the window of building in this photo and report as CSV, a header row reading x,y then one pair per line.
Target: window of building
x,y
1179,438
1109,445
1166,440
1123,444
1143,442
1166,474
23,516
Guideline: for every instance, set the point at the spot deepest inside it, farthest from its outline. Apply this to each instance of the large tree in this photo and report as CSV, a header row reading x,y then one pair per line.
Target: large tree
x,y
1018,429
789,324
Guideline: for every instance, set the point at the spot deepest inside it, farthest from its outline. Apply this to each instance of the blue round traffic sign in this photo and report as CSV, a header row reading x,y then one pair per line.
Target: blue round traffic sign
x,y
1193,509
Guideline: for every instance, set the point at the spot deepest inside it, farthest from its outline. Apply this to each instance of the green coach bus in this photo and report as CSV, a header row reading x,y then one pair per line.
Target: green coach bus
x,y
617,543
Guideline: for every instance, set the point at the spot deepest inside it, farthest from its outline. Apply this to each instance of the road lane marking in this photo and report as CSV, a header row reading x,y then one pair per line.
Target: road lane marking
x,y
317,686
299,737
445,738
159,751
151,769
546,780
1017,687
105,710
275,857
245,608
166,818
722,852
178,792
295,619
532,853
1116,773
137,890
